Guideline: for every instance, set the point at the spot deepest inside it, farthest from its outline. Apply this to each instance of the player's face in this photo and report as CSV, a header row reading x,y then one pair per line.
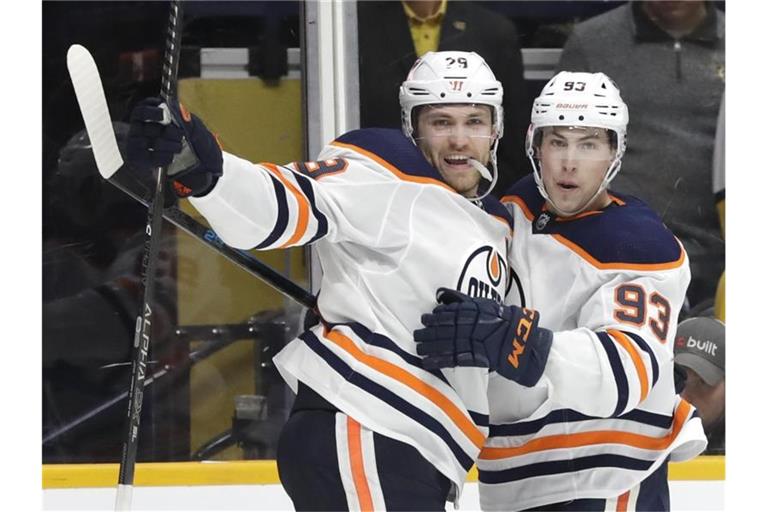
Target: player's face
x,y
708,400
449,135
574,161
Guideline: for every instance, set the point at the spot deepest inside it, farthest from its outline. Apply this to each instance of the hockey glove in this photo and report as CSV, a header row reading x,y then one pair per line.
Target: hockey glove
x,y
463,331
168,135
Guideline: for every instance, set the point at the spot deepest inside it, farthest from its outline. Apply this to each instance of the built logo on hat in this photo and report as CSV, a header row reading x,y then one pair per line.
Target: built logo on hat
x,y
700,346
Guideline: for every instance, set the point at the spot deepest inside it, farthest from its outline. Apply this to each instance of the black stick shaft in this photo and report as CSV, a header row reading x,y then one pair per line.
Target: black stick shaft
x,y
206,235
142,339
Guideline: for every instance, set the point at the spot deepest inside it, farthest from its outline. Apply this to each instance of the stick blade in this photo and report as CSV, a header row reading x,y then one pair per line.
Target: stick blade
x,y
124,497
93,106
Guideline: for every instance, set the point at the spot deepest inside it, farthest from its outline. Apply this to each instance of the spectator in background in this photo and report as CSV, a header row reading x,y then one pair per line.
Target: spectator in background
x,y
700,350
391,35
668,59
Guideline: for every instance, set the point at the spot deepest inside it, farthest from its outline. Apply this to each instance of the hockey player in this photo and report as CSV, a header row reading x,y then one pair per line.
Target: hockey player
x,y
389,217
596,420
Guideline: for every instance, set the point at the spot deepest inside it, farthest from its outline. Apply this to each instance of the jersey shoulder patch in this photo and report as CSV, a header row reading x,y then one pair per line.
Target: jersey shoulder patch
x,y
626,233
391,147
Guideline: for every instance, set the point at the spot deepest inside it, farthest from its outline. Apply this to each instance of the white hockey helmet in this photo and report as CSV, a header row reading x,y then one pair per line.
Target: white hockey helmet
x,y
453,77
450,77
584,100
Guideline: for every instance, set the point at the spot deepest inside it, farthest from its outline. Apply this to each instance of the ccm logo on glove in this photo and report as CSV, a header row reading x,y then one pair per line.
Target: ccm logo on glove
x,y
479,332
523,330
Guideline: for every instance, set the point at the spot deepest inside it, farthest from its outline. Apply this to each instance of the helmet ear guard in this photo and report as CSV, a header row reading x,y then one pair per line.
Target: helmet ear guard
x,y
452,77
580,100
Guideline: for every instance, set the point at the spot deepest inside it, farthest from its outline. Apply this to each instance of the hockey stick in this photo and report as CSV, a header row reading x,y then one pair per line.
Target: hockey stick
x,y
243,259
93,106
142,339
96,115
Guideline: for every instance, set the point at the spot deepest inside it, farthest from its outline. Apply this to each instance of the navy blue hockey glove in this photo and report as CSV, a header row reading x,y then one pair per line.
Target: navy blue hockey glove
x,y
168,135
463,331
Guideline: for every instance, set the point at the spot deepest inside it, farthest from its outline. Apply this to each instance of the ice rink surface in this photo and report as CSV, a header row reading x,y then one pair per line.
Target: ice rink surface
x,y
685,495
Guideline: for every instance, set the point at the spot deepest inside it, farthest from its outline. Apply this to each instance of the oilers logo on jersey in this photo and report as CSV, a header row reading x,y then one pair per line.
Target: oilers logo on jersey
x,y
484,274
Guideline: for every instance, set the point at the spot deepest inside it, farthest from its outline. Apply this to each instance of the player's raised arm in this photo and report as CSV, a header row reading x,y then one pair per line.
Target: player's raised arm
x,y
262,206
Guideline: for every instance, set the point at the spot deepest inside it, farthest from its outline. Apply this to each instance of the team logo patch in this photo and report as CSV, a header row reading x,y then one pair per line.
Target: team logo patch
x,y
542,221
484,274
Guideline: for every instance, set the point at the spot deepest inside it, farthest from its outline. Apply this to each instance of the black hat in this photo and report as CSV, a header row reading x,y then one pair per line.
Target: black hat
x,y
700,346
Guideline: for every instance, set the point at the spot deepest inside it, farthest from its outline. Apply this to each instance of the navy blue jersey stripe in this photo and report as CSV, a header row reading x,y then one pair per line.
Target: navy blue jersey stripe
x,y
481,420
644,346
631,233
382,341
322,222
282,215
649,418
571,416
622,386
391,145
563,466
385,395
533,426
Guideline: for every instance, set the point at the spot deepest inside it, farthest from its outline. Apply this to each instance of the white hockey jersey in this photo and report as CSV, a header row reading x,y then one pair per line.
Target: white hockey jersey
x,y
388,232
610,284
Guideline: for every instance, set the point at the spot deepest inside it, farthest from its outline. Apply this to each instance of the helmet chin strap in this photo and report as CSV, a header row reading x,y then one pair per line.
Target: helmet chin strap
x,y
483,170
486,174
491,176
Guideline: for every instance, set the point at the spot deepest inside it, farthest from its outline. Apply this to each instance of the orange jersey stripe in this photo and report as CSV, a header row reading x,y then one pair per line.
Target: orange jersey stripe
x,y
395,372
622,339
394,170
303,222
622,502
616,200
592,438
355,447
527,212
619,266
519,202
587,213
578,216
585,255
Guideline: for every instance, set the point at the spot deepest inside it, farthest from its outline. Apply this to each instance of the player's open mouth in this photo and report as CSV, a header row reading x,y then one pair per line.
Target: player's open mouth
x,y
457,160
567,186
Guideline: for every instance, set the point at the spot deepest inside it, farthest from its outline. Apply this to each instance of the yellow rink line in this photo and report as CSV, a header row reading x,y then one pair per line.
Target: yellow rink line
x,y
59,476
